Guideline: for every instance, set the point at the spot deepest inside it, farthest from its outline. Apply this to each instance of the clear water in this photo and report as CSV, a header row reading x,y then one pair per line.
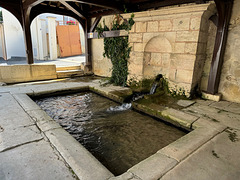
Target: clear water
x,y
118,139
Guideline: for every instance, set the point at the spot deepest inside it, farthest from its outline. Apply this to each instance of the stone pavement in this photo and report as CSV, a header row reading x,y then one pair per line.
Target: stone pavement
x,y
60,62
32,146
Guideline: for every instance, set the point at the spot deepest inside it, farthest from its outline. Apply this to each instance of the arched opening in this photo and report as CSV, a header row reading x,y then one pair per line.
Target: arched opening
x,y
156,58
11,37
59,39
45,40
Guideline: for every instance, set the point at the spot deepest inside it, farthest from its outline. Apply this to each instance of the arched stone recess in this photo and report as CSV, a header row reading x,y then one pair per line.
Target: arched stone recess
x,y
156,59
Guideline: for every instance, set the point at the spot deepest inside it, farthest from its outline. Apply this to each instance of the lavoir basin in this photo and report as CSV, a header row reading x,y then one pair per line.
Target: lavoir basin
x,y
118,139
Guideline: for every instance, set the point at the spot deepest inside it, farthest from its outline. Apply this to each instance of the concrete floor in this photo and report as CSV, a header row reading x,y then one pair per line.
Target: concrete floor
x,y
33,146
60,62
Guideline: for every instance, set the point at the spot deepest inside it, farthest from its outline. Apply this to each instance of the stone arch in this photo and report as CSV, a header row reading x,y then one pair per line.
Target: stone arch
x,y
156,58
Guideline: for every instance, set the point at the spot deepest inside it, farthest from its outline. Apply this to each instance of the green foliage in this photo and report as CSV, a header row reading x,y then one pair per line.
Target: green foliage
x,y
117,49
140,86
1,17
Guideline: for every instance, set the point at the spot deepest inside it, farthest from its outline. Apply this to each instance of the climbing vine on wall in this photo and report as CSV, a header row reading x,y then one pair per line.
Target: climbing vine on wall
x,y
117,49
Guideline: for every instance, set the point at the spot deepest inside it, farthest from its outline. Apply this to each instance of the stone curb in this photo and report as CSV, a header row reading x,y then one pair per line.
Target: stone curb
x,y
184,119
87,167
83,163
153,167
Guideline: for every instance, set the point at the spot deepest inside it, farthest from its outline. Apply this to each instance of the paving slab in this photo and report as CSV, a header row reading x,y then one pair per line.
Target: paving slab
x,y
124,176
221,104
226,118
12,137
12,113
218,159
34,161
202,109
204,102
180,117
153,167
185,103
234,108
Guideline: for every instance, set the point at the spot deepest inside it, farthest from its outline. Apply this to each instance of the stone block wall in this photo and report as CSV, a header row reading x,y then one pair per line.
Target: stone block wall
x,y
170,41
101,66
230,75
25,73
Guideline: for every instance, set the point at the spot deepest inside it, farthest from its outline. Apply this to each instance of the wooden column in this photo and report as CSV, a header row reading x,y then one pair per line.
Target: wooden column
x,y
25,13
224,8
88,45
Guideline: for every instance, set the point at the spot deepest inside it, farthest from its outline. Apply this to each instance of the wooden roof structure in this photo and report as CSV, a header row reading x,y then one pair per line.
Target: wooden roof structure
x,y
83,10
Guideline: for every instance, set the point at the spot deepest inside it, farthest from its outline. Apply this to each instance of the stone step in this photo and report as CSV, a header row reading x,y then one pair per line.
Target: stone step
x,y
70,73
68,68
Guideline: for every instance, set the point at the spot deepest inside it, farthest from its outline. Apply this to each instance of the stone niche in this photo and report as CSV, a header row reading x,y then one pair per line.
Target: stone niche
x,y
170,41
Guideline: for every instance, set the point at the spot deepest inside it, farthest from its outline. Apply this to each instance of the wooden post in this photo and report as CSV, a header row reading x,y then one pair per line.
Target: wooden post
x,y
25,13
88,45
224,9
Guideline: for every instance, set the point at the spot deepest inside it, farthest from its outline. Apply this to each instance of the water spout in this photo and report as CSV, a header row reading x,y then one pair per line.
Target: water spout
x,y
135,97
155,84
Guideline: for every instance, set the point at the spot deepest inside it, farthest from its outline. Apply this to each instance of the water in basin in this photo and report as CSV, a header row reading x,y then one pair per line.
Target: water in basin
x,y
118,139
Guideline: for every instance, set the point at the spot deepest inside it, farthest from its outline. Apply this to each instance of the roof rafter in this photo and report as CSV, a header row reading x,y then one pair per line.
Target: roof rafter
x,y
30,3
74,8
103,3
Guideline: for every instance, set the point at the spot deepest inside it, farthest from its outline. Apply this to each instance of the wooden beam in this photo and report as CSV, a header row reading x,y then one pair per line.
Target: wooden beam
x,y
103,13
104,3
74,9
31,3
157,4
88,45
47,9
27,32
224,9
12,7
95,23
106,34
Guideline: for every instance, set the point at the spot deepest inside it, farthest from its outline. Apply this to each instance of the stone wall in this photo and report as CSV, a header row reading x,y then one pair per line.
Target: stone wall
x,y
25,73
230,75
170,41
101,66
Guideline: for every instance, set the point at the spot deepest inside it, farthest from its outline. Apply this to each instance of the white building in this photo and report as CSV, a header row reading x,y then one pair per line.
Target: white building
x,y
43,30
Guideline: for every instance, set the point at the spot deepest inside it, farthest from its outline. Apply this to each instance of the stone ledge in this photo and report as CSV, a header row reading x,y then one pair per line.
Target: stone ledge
x,y
25,73
26,102
180,117
184,146
215,97
83,163
153,167
171,10
43,121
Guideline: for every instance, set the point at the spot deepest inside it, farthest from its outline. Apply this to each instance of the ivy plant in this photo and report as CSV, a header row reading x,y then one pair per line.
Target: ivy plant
x,y
117,48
